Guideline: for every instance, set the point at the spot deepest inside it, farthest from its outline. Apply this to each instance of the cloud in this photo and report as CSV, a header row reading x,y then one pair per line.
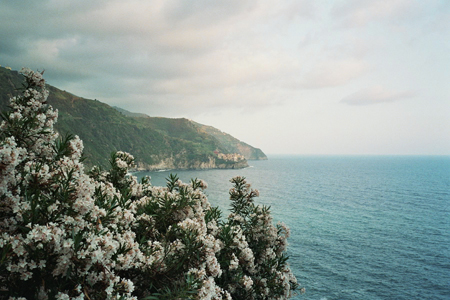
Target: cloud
x,y
228,52
356,13
332,73
166,42
376,95
157,53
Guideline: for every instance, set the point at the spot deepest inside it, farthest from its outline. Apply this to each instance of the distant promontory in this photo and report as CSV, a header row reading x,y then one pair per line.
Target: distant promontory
x,y
157,143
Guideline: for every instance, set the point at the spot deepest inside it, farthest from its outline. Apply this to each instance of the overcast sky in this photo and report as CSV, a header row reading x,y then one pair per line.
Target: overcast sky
x,y
297,77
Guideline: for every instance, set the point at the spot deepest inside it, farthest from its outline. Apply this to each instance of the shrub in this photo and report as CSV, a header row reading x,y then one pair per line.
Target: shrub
x,y
70,234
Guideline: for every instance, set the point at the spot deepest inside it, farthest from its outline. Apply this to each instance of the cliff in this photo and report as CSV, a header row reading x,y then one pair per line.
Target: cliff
x,y
172,163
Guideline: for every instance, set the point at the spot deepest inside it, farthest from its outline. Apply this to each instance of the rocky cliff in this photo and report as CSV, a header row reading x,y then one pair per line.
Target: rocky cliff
x,y
172,163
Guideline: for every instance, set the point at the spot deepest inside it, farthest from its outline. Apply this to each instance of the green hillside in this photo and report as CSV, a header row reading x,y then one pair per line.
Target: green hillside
x,y
198,133
156,143
231,144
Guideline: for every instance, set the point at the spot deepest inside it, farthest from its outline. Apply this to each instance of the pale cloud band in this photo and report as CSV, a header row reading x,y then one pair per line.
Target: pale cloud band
x,y
376,95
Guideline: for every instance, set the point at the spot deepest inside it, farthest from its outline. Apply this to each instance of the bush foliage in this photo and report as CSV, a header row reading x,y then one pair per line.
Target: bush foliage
x,y
66,233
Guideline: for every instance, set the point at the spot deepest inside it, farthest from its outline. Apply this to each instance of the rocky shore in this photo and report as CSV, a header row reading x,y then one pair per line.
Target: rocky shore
x,y
213,162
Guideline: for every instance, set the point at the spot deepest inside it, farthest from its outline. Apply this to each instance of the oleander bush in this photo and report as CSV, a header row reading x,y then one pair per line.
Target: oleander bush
x,y
69,233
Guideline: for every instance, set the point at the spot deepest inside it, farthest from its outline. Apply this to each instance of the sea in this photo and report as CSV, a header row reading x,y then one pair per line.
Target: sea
x,y
362,227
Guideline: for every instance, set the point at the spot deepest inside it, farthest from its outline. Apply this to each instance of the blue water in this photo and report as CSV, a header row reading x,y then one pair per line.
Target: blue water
x,y
362,227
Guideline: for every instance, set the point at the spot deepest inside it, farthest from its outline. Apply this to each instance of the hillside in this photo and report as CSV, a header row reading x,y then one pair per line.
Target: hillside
x,y
193,131
156,143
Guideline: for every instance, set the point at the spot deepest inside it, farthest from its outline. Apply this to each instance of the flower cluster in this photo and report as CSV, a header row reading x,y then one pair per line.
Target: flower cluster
x,y
70,234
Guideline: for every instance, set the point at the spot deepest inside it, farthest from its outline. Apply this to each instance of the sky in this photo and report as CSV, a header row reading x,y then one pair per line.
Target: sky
x,y
350,77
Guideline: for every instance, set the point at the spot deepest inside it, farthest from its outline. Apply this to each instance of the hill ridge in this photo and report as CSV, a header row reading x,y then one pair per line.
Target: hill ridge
x,y
156,142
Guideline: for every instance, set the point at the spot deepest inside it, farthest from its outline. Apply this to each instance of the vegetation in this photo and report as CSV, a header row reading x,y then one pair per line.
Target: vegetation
x,y
152,140
65,234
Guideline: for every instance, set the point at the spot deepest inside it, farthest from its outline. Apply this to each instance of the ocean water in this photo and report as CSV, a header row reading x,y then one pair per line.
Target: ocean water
x,y
362,227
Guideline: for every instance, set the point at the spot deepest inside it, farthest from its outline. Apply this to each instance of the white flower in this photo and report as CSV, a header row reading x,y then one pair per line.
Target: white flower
x,y
85,224
234,263
247,282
